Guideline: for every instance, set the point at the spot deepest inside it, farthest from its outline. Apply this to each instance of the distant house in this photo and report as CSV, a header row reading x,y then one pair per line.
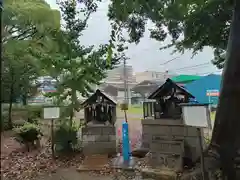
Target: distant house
x,y
185,79
110,89
143,89
200,88
117,90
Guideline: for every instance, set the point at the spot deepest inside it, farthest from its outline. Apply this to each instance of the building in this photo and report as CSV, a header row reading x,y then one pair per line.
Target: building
x,y
117,74
206,89
151,75
113,84
143,89
117,91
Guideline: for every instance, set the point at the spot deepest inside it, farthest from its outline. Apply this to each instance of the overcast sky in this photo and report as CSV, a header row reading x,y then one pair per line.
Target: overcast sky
x,y
146,55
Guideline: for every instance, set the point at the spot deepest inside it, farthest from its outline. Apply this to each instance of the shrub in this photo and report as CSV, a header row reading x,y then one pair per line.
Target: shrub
x,y
65,137
34,113
28,134
65,111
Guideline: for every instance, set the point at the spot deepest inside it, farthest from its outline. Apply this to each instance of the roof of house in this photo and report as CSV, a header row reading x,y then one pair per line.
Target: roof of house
x,y
147,85
166,87
150,82
93,98
185,78
119,86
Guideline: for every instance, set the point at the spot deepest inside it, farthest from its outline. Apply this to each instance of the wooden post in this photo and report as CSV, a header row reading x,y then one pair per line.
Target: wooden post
x,y
52,138
201,154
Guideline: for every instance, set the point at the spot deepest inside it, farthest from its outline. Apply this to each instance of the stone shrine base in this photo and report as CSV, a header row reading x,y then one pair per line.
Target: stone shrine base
x,y
99,139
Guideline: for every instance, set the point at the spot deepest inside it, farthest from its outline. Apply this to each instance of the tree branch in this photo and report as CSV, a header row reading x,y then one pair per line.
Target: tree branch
x,y
23,35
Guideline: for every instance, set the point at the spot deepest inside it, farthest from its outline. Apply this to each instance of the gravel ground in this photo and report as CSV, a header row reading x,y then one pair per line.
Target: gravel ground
x,y
71,174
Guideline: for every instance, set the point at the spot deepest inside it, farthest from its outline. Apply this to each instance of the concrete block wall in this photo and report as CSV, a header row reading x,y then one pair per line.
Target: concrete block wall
x,y
170,138
99,139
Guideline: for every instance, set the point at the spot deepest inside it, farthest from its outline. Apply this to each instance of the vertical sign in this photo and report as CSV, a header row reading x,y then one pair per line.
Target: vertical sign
x,y
212,93
51,113
125,141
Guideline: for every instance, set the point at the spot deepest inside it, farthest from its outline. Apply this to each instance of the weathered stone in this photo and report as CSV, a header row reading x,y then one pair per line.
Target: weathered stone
x,y
102,138
92,130
94,163
167,138
169,147
96,139
160,130
166,161
177,131
192,131
112,138
145,144
99,148
140,152
146,137
89,138
162,174
108,130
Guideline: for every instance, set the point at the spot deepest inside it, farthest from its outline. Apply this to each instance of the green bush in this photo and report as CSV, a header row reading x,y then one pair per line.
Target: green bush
x,y
65,137
28,134
34,113
65,111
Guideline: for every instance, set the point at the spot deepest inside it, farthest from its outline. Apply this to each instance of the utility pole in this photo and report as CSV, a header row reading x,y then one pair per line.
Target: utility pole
x,y
125,80
125,102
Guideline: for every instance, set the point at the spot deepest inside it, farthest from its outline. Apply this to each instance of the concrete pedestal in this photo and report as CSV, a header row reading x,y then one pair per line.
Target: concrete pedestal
x,y
99,139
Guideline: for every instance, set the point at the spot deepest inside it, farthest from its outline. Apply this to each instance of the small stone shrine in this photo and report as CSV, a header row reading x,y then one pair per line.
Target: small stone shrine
x,y
169,141
99,133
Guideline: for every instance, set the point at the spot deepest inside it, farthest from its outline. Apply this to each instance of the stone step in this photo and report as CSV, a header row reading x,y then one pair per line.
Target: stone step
x,y
94,163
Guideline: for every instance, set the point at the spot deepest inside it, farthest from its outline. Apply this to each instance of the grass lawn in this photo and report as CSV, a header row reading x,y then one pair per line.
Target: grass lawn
x,y
137,110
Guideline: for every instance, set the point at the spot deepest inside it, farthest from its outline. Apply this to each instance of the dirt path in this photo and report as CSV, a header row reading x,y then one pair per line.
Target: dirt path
x,y
8,144
71,174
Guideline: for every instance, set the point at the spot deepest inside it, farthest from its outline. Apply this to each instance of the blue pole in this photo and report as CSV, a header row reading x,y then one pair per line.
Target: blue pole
x,y
125,142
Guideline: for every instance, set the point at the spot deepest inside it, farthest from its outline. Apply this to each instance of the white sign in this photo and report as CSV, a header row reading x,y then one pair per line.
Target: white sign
x,y
51,112
196,116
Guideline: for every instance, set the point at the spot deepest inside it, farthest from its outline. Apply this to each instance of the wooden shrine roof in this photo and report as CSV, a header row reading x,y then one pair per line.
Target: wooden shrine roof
x,y
166,88
93,98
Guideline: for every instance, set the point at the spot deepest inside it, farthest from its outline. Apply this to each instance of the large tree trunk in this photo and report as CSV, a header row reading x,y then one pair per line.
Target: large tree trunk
x,y
10,124
73,105
226,132
24,99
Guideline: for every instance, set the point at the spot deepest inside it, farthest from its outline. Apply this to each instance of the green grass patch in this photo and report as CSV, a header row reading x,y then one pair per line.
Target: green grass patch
x,y
138,110
135,110
212,115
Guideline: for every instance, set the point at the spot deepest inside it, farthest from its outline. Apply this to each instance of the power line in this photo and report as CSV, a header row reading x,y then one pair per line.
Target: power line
x,y
193,66
170,61
207,73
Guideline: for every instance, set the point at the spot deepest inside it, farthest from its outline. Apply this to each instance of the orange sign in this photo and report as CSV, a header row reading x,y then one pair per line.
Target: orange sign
x,y
213,93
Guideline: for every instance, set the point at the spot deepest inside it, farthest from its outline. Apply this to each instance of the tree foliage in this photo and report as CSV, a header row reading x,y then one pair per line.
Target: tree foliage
x,y
25,25
75,66
191,24
27,19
